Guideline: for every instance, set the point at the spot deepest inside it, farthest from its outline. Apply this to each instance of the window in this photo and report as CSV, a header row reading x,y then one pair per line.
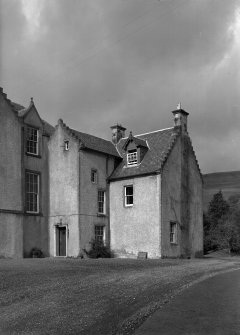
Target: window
x,y
132,157
32,141
100,234
101,202
128,194
32,192
173,232
66,145
94,176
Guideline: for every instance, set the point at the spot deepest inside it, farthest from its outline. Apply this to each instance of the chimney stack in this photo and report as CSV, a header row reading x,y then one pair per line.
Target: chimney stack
x,y
118,132
180,118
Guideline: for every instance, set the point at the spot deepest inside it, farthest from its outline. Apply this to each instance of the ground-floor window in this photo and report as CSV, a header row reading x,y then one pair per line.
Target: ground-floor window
x,y
173,232
32,192
100,234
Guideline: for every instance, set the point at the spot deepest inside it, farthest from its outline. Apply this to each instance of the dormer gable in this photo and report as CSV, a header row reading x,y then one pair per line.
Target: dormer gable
x,y
30,115
135,149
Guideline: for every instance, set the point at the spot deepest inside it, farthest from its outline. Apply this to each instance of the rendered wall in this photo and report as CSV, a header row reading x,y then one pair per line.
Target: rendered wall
x,y
35,227
182,202
10,182
196,208
88,206
11,235
64,189
171,201
10,158
137,228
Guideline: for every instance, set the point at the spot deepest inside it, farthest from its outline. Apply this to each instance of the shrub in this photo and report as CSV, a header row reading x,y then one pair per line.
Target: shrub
x,y
98,250
36,253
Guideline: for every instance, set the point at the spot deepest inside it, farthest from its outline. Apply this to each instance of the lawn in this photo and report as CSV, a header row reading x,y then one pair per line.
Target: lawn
x,y
104,296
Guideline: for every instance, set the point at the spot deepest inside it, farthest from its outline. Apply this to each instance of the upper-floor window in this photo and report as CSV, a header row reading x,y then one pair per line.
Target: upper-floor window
x,y
101,202
32,140
66,145
173,232
94,176
128,195
32,192
132,157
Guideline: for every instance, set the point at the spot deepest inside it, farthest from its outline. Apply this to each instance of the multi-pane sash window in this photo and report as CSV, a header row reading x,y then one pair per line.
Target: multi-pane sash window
x,y
132,157
32,192
32,141
101,202
100,234
173,232
128,193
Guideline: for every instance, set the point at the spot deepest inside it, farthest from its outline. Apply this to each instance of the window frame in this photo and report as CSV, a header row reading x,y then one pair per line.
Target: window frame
x,y
66,145
127,196
29,193
130,160
173,232
35,143
102,236
95,174
99,201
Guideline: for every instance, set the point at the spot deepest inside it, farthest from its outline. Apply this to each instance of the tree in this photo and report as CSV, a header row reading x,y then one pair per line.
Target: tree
x,y
218,207
221,225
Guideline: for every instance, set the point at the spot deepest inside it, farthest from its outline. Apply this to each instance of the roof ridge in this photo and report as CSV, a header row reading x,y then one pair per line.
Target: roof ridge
x,y
154,131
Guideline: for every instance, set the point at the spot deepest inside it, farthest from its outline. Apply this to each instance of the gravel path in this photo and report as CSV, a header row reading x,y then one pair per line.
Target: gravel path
x,y
49,296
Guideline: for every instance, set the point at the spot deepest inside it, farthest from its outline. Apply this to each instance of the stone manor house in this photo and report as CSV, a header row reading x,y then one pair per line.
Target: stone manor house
x,y
61,188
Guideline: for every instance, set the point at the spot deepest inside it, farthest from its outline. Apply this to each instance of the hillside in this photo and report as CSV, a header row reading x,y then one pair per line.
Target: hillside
x,y
227,182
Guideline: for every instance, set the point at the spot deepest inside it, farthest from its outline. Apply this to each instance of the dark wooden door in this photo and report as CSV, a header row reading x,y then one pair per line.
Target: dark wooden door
x,y
61,241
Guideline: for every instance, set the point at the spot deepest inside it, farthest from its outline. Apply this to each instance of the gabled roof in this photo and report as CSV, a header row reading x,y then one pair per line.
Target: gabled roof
x,y
91,142
160,144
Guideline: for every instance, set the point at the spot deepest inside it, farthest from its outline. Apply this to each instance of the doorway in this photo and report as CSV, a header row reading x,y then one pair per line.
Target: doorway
x,y
61,241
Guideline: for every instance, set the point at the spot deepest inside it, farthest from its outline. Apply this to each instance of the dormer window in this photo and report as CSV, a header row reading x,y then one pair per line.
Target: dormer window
x,y
66,145
132,157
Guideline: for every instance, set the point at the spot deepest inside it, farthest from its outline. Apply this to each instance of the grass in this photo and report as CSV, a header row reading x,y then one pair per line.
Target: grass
x,y
103,296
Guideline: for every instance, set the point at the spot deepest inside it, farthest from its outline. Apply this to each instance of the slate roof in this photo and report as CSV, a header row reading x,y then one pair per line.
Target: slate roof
x,y
138,141
160,144
91,142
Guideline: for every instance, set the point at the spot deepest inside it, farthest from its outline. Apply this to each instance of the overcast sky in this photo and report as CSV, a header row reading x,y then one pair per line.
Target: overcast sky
x,y
95,63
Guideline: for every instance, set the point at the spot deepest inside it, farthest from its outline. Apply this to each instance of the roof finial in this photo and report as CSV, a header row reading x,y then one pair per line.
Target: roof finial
x,y
179,106
32,100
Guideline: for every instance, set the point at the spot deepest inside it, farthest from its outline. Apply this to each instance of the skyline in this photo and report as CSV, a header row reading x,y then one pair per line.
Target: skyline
x,y
129,63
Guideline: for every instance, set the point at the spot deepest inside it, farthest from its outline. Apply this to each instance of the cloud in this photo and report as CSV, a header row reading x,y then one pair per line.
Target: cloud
x,y
98,62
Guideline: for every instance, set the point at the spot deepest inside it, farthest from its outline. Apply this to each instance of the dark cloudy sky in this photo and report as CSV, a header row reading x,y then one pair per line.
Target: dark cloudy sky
x,y
94,63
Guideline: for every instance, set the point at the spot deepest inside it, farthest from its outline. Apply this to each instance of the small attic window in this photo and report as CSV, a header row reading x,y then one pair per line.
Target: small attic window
x,y
66,145
132,157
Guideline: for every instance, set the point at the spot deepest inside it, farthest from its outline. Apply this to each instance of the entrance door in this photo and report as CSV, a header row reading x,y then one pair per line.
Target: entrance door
x,y
61,241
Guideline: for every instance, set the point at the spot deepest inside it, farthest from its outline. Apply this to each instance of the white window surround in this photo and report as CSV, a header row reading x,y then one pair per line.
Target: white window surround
x,y
173,232
101,202
132,158
32,144
128,195
66,145
32,192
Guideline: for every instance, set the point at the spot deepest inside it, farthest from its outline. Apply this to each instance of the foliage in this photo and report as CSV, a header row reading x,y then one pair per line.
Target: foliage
x,y
98,250
218,207
222,225
36,253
